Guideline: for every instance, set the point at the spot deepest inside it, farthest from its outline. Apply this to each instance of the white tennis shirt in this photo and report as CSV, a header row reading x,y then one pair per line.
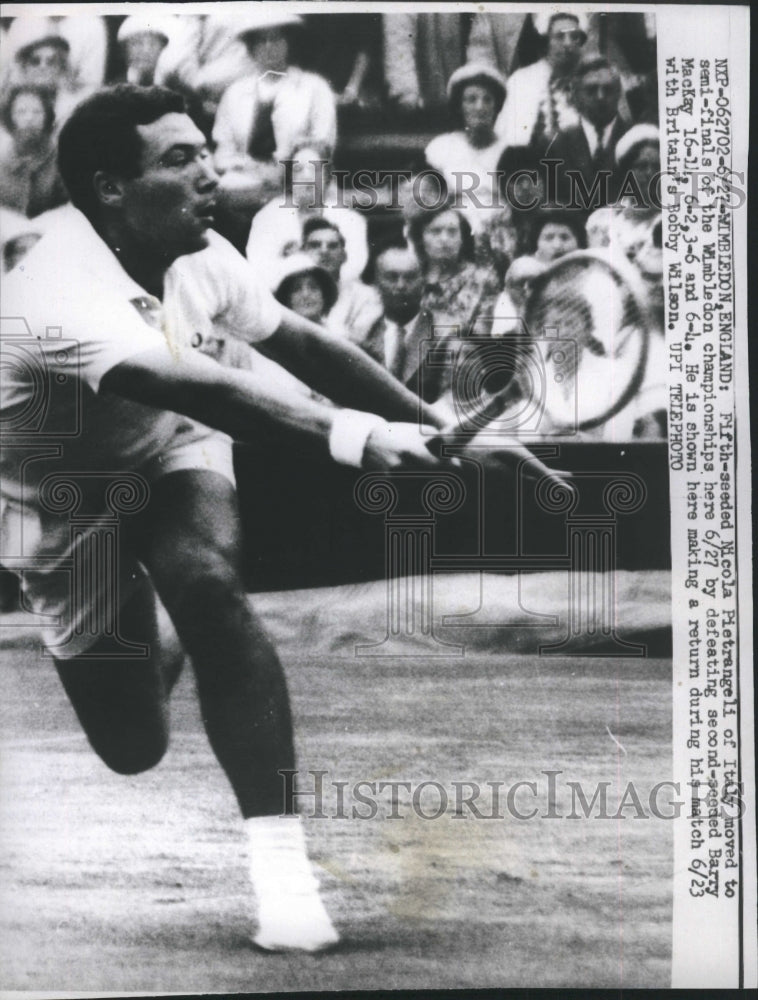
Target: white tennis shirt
x,y
70,313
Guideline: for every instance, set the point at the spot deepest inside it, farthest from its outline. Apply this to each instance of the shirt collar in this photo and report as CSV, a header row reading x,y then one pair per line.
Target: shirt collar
x,y
392,325
95,261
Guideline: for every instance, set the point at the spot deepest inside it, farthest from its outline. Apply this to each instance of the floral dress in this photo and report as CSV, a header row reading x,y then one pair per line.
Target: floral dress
x,y
465,298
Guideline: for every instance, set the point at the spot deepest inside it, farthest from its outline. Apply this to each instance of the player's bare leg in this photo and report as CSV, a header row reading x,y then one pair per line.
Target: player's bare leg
x,y
190,543
121,704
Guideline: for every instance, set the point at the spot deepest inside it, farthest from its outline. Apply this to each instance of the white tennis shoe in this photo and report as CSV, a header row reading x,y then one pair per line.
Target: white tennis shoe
x,y
291,915
294,922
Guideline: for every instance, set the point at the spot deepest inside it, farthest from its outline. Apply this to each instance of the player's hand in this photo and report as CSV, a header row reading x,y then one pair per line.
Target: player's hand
x,y
397,446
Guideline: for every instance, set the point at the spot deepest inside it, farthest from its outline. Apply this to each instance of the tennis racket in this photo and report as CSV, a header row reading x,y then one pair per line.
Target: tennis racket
x,y
585,358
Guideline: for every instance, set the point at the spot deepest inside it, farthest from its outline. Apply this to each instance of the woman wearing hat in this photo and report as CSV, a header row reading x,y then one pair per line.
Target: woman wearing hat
x,y
540,101
305,287
633,225
629,222
467,157
143,40
41,59
262,117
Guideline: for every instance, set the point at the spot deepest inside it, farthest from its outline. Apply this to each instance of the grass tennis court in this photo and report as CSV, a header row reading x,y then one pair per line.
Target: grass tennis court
x,y
117,884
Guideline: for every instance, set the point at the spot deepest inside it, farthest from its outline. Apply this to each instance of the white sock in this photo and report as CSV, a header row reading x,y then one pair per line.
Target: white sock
x,y
291,915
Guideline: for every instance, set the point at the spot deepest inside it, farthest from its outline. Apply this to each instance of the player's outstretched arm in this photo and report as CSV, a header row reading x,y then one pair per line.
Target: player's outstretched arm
x,y
245,406
343,372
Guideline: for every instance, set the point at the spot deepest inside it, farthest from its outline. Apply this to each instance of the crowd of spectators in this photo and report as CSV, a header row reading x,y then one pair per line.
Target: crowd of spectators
x,y
547,144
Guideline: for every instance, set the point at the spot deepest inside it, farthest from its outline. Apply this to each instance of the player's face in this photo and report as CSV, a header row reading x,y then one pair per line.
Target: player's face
x,y
554,241
477,107
170,206
442,239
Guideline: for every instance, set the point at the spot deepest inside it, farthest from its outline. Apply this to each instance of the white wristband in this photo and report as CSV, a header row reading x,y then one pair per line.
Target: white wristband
x,y
349,434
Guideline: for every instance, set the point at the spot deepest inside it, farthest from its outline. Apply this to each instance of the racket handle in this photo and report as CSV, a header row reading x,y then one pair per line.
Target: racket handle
x,y
472,424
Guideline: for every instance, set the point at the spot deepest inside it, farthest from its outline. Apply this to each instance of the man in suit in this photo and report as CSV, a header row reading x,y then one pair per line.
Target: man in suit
x,y
396,339
586,174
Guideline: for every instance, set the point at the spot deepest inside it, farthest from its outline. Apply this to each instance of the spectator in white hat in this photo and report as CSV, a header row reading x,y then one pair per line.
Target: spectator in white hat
x,y
87,39
42,59
143,40
204,56
262,117
539,100
305,287
632,225
468,156
306,191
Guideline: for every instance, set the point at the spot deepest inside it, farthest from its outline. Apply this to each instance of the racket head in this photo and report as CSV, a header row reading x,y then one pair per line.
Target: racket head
x,y
590,329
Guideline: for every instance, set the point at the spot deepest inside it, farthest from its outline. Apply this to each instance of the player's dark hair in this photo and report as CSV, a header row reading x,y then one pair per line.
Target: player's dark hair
x,y
101,135
43,94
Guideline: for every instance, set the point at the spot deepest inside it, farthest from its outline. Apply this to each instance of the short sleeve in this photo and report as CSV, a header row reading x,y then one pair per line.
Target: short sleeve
x,y
235,297
85,338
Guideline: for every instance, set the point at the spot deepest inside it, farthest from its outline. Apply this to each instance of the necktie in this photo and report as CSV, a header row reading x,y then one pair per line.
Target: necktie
x,y
262,139
600,160
401,354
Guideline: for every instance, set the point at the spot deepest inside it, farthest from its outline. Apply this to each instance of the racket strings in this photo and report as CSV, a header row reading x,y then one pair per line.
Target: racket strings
x,y
588,331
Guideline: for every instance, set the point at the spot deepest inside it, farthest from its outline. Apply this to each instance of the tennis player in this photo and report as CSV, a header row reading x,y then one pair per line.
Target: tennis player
x,y
149,296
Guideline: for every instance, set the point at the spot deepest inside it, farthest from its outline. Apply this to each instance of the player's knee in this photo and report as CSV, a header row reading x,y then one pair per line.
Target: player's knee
x,y
189,569
132,757
212,582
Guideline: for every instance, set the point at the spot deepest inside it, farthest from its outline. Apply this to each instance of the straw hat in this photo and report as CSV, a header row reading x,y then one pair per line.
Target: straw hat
x,y
542,20
136,25
28,33
300,263
250,21
637,134
476,71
